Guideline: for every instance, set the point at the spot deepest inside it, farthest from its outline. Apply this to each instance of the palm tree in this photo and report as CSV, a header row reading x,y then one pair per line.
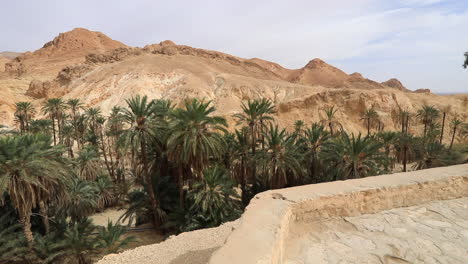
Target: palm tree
x,y
255,114
404,143
369,116
445,110
354,157
139,117
315,137
29,166
79,242
240,155
75,105
298,127
456,122
330,120
81,200
402,117
24,112
43,126
110,238
195,137
55,109
282,158
213,199
428,114
88,163
387,139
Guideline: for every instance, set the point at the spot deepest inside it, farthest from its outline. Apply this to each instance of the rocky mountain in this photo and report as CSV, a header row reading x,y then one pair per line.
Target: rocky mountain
x,y
66,49
103,72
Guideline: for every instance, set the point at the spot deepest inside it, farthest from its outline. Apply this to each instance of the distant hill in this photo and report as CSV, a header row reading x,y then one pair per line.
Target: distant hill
x,y
9,54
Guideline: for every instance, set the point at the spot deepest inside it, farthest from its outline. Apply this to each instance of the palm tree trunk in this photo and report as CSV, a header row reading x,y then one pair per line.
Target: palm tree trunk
x,y
453,137
53,131
254,167
149,181
106,160
425,128
407,124
368,126
331,128
26,223
242,182
442,130
45,217
181,187
405,150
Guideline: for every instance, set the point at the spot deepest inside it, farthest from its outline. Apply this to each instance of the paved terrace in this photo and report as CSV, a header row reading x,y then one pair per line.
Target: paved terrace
x,y
409,217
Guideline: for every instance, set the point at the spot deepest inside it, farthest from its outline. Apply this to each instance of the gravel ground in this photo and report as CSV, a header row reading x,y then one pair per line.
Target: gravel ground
x,y
177,249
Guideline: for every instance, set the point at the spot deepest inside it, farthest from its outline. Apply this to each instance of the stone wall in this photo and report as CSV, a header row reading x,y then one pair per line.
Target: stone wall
x,y
264,227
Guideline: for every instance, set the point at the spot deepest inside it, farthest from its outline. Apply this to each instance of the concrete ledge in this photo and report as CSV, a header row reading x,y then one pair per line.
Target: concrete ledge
x,y
264,227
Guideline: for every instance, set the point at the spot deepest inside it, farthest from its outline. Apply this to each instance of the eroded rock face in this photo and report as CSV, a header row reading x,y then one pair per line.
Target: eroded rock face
x,y
42,89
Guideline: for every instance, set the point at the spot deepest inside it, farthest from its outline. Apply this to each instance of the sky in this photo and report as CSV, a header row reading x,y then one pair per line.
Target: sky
x,y
420,42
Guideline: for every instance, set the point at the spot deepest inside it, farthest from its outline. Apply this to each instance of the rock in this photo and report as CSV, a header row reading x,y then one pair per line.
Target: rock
x,y
423,91
39,89
395,83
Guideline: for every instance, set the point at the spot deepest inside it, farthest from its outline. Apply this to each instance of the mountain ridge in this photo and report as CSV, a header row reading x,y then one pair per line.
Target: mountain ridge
x,y
103,72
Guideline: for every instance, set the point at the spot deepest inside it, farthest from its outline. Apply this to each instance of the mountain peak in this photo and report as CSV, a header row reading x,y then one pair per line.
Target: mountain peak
x,y
316,63
80,40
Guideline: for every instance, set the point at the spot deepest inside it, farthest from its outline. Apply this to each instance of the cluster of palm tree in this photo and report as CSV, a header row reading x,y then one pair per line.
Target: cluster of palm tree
x,y
181,168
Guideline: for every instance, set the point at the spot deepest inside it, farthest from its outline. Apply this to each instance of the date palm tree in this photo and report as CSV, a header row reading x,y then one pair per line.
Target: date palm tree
x,y
75,106
195,137
315,137
28,167
330,120
370,116
81,199
213,199
55,109
240,157
139,117
24,112
354,157
255,115
445,110
281,157
402,118
455,123
428,114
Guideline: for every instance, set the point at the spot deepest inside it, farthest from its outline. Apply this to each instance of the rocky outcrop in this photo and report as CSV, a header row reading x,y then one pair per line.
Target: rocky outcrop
x,y
70,73
395,83
43,89
423,91
112,56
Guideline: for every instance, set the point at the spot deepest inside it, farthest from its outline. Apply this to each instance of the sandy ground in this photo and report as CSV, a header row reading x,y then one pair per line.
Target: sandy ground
x,y
111,214
435,232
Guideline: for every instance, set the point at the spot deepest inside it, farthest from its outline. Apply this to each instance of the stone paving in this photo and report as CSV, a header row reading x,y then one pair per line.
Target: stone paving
x,y
435,232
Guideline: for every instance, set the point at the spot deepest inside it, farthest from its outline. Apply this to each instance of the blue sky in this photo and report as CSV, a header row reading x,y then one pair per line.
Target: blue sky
x,y
420,42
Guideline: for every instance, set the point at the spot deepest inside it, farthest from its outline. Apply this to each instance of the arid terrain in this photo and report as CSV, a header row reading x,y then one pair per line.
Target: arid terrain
x,y
103,72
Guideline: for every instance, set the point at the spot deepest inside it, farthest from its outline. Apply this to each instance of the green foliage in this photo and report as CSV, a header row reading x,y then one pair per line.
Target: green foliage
x,y
179,167
354,157
213,200
110,238
81,199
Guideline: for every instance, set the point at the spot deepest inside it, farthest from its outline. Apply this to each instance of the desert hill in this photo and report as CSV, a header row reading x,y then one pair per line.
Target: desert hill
x,y
66,49
103,72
